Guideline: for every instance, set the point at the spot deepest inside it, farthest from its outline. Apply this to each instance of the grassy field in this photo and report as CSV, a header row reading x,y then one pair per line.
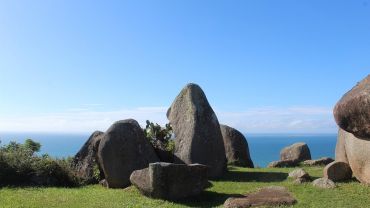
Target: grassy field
x,y
236,181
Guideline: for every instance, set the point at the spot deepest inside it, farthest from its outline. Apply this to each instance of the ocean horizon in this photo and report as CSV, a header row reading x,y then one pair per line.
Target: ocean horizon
x,y
263,147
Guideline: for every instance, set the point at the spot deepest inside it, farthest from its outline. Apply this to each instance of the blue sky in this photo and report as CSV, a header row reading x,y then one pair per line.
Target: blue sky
x,y
266,66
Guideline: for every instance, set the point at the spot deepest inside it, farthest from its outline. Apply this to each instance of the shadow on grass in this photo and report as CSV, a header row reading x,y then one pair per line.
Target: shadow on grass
x,y
206,199
240,176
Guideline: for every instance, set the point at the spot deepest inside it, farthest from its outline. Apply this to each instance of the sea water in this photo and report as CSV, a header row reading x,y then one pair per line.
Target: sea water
x,y
263,148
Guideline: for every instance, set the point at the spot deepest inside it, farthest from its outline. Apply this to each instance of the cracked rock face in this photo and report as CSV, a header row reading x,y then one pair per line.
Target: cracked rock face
x,y
197,131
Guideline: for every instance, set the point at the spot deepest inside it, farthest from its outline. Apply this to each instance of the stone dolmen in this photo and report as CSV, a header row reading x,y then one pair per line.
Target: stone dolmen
x,y
352,114
202,150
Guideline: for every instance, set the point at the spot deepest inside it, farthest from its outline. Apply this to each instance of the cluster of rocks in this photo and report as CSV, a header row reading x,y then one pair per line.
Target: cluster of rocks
x,y
300,176
203,148
352,115
296,154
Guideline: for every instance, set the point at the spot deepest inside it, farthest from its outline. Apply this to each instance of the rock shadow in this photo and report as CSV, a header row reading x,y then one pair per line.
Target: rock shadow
x,y
241,176
206,199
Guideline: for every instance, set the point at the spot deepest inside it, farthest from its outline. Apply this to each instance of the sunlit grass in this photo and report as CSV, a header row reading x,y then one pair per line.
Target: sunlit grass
x,y
237,181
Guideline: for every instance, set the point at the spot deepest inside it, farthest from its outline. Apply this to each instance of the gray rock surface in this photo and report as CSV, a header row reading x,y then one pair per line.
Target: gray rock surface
x,y
86,158
122,150
319,162
236,147
197,131
338,171
298,173
171,181
297,152
324,183
268,196
283,164
352,112
355,152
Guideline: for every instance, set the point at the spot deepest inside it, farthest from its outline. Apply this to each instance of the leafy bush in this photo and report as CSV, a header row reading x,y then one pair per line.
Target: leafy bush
x,y
159,137
19,165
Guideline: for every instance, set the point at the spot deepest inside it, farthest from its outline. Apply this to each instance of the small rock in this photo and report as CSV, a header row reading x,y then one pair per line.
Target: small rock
x,y
171,181
298,173
268,196
324,183
338,171
301,180
318,162
297,152
283,164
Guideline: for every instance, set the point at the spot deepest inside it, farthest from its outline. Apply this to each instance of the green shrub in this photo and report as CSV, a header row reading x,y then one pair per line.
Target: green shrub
x,y
19,165
158,136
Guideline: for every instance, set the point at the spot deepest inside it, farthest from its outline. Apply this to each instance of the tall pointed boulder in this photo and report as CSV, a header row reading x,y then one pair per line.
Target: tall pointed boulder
x,y
197,131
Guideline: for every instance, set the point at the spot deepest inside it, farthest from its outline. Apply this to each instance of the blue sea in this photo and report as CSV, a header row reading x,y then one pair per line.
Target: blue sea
x,y
264,148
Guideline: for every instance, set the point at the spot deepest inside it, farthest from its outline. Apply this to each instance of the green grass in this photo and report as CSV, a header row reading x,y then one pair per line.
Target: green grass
x,y
236,181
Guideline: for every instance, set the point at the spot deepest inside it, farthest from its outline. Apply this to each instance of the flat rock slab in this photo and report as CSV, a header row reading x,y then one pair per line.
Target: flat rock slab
x,y
268,196
319,162
283,164
171,181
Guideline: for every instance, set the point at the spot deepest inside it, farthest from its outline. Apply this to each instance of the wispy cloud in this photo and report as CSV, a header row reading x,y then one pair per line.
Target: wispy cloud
x,y
254,120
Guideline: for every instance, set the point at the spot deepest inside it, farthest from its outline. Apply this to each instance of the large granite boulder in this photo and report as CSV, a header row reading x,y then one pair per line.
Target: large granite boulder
x,y
198,134
122,150
355,152
265,197
236,147
85,160
338,171
171,181
296,152
352,112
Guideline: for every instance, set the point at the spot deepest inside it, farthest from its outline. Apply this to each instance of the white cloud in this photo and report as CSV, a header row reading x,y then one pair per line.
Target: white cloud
x,y
255,120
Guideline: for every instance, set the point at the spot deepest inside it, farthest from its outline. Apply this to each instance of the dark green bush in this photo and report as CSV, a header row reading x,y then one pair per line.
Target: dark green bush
x,y
20,166
158,136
